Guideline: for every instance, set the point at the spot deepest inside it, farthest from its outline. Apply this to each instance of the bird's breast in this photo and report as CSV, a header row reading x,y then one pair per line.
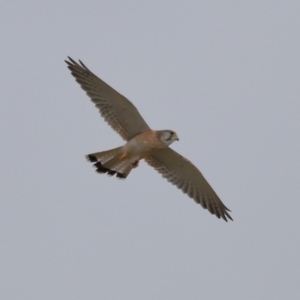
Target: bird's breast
x,y
144,144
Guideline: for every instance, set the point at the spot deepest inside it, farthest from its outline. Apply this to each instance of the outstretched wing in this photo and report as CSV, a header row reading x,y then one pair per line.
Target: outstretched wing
x,y
117,110
182,173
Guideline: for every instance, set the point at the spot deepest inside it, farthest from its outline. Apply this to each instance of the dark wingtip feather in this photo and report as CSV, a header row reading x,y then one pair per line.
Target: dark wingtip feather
x,y
228,216
72,63
83,65
218,212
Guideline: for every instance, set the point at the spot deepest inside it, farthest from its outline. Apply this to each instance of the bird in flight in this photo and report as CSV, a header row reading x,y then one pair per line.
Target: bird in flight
x,y
142,143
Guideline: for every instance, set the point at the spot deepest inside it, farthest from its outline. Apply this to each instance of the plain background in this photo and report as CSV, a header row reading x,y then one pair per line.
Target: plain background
x,y
225,76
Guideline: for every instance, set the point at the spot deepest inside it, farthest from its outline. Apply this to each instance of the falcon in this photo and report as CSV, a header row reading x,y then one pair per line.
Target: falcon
x,y
142,143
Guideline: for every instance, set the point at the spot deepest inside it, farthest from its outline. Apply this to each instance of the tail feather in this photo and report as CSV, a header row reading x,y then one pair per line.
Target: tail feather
x,y
125,170
109,162
91,158
103,156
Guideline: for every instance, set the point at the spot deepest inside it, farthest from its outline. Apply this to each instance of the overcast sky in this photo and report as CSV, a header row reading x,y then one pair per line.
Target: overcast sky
x,y
225,76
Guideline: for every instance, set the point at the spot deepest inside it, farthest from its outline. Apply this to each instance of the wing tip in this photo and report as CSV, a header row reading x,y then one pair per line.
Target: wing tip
x,y
224,214
72,63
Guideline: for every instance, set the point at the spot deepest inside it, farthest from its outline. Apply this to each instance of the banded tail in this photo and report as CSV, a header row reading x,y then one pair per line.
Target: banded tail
x,y
111,162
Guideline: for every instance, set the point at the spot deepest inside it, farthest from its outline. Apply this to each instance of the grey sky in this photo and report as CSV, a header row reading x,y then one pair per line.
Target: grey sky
x,y
225,76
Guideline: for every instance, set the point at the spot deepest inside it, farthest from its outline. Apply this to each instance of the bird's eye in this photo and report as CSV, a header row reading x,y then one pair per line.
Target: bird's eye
x,y
170,135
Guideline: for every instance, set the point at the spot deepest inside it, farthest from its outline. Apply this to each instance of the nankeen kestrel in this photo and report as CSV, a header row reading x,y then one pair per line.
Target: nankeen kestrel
x,y
142,143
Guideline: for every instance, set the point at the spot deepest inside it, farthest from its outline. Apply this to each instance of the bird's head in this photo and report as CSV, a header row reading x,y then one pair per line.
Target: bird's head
x,y
167,136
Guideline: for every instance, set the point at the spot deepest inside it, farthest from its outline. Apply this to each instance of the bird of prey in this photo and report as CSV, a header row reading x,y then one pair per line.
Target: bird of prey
x,y
142,143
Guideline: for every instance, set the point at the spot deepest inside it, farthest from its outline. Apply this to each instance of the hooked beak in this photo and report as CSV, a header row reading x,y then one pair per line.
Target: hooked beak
x,y
175,137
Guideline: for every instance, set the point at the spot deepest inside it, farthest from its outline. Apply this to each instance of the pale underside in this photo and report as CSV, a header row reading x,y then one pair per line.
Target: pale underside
x,y
125,119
